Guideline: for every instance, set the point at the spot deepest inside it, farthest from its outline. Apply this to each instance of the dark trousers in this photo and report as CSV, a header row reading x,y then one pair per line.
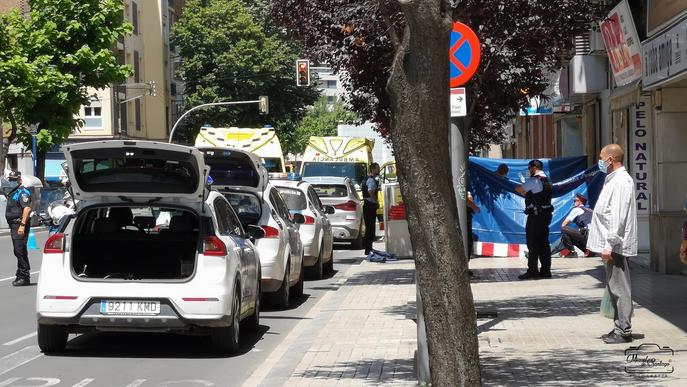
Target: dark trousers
x,y
539,250
20,250
572,237
370,217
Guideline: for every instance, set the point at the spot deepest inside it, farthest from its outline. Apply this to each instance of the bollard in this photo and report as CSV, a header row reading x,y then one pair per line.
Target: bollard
x,y
32,241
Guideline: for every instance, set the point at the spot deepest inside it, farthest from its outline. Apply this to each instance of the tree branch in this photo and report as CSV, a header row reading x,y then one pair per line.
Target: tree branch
x,y
390,26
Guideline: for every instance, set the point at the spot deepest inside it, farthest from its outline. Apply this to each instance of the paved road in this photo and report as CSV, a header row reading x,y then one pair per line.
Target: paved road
x,y
133,360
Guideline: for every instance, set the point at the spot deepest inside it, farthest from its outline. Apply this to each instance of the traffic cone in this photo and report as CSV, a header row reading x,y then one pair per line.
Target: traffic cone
x,y
32,241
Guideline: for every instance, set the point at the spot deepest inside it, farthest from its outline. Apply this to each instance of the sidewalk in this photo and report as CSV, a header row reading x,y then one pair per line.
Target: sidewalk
x,y
360,333
547,331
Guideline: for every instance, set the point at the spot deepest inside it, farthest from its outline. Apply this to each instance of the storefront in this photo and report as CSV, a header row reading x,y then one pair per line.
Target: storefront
x,y
665,78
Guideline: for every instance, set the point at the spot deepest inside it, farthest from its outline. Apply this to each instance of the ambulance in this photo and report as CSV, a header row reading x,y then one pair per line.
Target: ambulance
x,y
261,141
338,156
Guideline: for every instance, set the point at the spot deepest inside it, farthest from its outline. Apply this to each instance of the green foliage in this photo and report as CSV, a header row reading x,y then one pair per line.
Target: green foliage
x,y
321,120
227,56
57,53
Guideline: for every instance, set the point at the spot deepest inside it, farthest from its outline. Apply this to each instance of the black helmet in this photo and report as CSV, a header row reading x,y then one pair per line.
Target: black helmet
x,y
14,175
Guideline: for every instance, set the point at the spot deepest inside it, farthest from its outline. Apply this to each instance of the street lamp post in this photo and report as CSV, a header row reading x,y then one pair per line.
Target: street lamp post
x,y
262,101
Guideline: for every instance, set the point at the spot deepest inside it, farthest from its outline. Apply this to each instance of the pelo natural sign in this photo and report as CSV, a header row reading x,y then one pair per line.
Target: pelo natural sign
x,y
640,148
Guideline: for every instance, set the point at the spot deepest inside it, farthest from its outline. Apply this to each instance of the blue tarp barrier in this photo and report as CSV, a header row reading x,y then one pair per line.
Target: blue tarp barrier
x,y
501,218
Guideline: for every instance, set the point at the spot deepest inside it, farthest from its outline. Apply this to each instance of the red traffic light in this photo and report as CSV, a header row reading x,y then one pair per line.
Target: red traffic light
x,y
302,73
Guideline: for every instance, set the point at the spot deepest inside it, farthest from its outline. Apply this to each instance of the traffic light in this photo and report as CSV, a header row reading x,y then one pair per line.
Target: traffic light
x,y
264,105
302,72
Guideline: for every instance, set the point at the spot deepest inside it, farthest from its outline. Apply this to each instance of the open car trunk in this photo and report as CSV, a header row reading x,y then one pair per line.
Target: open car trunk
x,y
135,243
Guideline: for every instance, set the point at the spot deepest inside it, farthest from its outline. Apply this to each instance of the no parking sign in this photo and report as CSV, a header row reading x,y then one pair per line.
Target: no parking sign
x,y
464,54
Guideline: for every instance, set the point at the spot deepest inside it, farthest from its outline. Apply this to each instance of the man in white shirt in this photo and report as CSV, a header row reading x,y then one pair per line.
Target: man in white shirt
x,y
613,233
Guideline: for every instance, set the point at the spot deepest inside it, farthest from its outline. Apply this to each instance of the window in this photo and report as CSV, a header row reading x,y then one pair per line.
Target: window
x,y
134,17
246,206
331,190
315,200
331,84
294,198
93,116
222,217
280,206
137,67
331,99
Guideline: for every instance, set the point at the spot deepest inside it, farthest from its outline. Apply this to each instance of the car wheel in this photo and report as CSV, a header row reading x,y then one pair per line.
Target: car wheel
x,y
357,243
329,265
253,321
298,287
52,338
281,297
315,272
226,339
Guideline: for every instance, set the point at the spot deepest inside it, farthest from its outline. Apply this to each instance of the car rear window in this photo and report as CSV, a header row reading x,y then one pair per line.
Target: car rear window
x,y
135,170
246,205
231,168
294,198
355,171
331,190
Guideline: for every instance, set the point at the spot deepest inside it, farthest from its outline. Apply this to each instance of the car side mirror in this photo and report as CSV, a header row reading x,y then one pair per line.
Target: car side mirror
x,y
255,232
329,210
298,218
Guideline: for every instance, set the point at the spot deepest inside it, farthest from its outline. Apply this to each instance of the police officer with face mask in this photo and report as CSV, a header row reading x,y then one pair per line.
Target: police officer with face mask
x,y
17,214
537,191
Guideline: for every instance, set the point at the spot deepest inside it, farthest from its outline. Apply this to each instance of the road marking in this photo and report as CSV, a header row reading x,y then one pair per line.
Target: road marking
x,y
18,339
13,277
193,381
83,382
136,383
48,382
19,358
8,382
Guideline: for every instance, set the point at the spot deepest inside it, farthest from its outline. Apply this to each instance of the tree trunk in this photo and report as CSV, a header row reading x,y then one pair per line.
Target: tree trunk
x,y
419,90
5,142
40,164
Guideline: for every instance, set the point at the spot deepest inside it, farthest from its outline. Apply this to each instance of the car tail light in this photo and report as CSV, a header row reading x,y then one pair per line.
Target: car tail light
x,y
214,246
54,244
270,232
309,219
348,206
397,212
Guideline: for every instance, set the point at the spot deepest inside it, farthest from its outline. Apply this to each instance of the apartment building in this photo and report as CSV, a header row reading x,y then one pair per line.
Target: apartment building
x,y
143,107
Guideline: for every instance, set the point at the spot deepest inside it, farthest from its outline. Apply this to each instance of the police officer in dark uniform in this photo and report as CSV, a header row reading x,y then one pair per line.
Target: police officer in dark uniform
x,y
537,191
370,188
17,214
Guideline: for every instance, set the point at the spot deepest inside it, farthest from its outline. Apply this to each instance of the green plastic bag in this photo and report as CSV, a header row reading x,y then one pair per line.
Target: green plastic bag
x,y
606,308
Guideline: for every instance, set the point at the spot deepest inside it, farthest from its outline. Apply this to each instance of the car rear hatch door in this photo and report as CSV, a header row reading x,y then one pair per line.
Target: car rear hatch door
x,y
235,169
136,171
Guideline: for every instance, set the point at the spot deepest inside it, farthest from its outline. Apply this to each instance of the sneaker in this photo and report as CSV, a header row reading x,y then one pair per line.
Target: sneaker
x,y
21,282
605,335
565,253
615,338
527,276
587,253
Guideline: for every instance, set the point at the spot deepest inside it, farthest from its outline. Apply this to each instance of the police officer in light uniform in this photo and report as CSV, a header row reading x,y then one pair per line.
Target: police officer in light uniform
x,y
17,214
537,191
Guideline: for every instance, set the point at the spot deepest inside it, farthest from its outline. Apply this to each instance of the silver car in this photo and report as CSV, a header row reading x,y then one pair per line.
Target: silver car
x,y
340,193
